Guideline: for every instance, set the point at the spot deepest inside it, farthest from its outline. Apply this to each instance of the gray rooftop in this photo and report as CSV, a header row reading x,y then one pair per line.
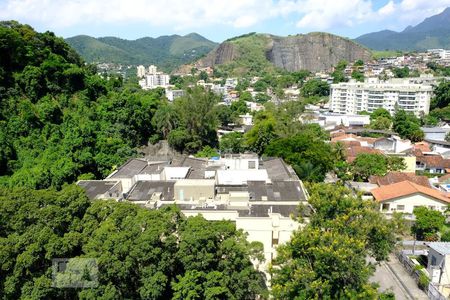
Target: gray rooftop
x,y
436,142
441,247
143,190
95,188
435,129
198,167
130,168
279,190
276,168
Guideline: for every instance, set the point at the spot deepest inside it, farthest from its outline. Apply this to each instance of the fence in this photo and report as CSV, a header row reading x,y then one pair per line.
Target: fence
x,y
434,294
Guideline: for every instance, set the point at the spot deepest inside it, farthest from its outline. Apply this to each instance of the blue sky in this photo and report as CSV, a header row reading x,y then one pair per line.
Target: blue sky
x,y
217,19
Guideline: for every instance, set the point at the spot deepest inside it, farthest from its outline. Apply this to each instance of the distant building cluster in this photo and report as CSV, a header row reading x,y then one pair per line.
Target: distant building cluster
x,y
406,94
150,78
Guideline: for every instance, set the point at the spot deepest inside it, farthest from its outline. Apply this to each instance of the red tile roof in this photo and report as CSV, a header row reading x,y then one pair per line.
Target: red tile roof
x,y
406,188
394,177
422,146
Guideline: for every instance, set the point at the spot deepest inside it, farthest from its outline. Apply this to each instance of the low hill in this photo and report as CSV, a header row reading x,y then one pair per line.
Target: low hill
x,y
166,52
433,32
253,53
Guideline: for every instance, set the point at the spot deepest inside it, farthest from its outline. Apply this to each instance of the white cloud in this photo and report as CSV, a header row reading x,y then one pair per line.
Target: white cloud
x,y
181,15
327,14
398,15
172,13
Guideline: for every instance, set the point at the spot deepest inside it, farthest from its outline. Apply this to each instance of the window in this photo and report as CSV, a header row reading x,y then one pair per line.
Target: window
x,y
252,164
385,206
432,207
400,207
433,260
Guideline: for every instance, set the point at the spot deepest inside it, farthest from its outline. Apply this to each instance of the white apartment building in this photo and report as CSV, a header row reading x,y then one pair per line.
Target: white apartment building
x,y
353,97
152,78
152,69
140,71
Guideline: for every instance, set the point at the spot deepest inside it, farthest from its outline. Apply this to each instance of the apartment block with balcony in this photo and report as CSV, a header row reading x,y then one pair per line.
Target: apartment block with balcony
x,y
353,97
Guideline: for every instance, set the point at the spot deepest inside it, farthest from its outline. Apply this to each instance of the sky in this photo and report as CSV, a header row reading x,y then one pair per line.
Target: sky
x,y
217,20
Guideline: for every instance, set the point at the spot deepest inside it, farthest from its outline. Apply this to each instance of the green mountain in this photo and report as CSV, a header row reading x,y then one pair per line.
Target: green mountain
x,y
255,53
433,32
166,52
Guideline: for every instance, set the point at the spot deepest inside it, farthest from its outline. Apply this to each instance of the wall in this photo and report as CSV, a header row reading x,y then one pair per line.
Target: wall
x,y
191,189
413,200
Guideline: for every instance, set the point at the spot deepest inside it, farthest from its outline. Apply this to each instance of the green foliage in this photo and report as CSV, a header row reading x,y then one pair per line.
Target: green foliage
x,y
445,237
428,223
380,112
441,95
262,98
59,119
140,253
232,143
262,133
167,52
315,87
366,165
338,73
207,152
358,76
424,281
327,259
401,72
198,121
407,126
381,123
251,56
306,151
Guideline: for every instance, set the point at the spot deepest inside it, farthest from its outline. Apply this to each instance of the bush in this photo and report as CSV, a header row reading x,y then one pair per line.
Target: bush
x,y
424,281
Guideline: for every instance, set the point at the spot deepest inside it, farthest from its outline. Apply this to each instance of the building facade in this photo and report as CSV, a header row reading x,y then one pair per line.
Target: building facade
x,y
353,97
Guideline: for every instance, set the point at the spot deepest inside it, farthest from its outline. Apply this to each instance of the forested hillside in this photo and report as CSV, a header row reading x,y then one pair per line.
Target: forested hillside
x,y
58,119
167,52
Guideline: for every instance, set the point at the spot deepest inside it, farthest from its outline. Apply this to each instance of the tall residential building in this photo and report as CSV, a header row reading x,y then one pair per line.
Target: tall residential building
x,y
353,97
156,80
140,71
152,70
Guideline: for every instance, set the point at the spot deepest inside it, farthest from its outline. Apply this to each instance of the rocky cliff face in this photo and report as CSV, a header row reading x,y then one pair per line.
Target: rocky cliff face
x,y
314,52
224,53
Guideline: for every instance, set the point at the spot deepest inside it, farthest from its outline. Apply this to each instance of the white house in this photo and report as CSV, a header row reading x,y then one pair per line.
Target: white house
x,y
438,266
404,196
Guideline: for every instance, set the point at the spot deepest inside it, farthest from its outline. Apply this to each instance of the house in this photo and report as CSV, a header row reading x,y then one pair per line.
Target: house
x,y
436,133
393,144
395,177
439,146
434,164
438,266
422,146
404,196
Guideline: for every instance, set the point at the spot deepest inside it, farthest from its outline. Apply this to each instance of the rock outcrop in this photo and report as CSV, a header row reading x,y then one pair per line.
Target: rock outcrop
x,y
314,52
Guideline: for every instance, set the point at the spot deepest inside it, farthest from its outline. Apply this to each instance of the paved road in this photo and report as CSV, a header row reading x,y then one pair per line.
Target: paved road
x,y
392,276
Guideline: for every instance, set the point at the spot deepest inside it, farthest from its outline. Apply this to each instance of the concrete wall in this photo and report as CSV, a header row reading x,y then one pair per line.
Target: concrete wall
x,y
192,189
411,201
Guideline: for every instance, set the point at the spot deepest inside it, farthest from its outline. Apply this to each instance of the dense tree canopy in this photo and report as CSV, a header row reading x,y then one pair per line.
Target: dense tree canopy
x,y
327,259
141,254
306,151
428,223
59,120
407,126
